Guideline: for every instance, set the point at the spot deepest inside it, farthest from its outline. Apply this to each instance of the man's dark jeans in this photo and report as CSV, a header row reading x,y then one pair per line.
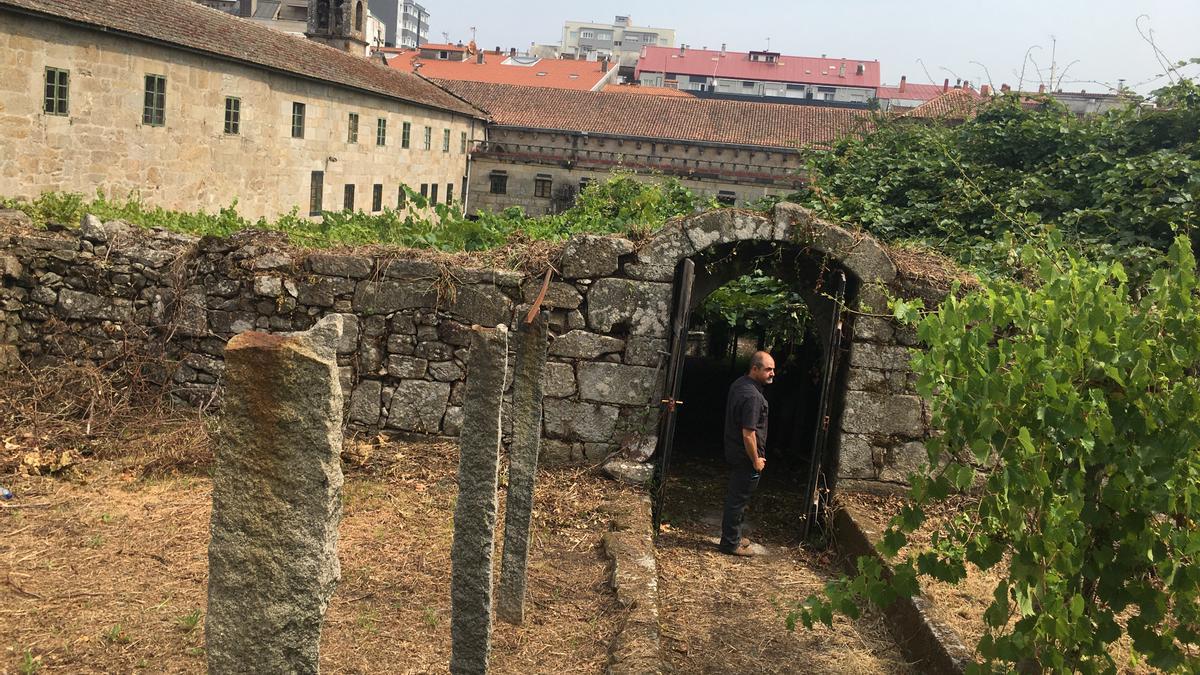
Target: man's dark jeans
x,y
742,481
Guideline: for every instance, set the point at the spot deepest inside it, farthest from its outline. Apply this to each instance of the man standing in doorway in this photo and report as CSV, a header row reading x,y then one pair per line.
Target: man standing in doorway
x,y
745,447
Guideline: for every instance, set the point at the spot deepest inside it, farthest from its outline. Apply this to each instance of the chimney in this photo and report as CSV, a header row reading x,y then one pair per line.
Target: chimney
x,y
903,83
860,70
1004,88
1041,88
479,57
958,83
604,64
682,49
497,49
985,90
512,51
722,49
946,85
842,70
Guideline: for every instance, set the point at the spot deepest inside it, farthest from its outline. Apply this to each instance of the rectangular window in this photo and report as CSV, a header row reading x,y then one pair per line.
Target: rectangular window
x,y
499,182
401,197
445,140
449,192
463,147
584,182
747,84
348,197
405,133
542,185
726,197
381,131
425,190
56,92
316,193
352,129
154,107
377,197
433,193
233,115
428,138
297,120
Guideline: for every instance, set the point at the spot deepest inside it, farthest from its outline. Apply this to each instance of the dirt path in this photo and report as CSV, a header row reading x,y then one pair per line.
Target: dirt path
x,y
723,614
110,574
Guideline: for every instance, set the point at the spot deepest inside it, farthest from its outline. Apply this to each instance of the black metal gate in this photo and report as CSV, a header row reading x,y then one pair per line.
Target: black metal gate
x,y
816,493
685,275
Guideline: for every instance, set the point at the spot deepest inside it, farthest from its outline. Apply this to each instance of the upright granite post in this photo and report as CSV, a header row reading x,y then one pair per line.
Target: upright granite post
x,y
277,502
522,467
475,512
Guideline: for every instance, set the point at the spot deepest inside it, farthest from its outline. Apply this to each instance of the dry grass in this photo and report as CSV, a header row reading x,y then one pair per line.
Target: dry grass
x,y
104,570
723,614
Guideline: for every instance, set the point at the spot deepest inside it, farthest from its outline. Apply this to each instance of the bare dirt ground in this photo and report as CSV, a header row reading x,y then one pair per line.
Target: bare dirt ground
x,y
105,570
724,614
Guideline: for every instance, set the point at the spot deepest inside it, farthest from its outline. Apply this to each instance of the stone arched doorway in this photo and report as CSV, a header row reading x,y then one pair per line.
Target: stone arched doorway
x,y
809,396
614,323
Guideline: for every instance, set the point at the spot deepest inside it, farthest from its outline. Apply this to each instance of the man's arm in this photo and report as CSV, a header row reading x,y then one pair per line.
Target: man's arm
x,y
750,444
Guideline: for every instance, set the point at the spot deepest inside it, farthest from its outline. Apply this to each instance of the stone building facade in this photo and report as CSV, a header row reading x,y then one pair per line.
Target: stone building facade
x,y
111,288
543,144
543,170
238,112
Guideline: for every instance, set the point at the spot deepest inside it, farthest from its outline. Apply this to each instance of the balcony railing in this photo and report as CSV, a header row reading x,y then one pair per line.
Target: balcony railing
x,y
609,160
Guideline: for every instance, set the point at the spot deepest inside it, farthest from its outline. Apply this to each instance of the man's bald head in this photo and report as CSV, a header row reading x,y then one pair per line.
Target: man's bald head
x,y
762,368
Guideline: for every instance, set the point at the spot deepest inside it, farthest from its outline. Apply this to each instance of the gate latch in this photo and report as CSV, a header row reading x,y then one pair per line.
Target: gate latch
x,y
671,403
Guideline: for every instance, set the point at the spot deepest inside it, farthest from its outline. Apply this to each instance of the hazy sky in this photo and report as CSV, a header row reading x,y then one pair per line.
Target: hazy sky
x,y
1099,36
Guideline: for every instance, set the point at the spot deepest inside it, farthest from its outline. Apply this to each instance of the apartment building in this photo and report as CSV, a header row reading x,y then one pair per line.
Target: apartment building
x,y
759,74
620,41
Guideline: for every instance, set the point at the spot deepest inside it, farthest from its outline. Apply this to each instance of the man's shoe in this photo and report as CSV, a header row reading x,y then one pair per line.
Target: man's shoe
x,y
743,550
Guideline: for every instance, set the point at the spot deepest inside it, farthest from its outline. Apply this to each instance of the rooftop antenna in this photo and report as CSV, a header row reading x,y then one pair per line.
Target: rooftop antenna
x,y
768,44
472,33
445,37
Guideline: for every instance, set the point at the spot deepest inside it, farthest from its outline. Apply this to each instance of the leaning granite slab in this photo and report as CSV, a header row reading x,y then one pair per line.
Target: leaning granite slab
x,y
932,646
277,502
629,546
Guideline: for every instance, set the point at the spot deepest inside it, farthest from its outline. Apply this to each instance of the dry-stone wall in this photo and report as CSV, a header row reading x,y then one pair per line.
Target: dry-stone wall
x,y
109,290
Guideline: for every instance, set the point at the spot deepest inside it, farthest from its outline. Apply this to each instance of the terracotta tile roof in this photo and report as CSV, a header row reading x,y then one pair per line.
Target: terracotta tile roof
x,y
189,25
500,69
646,91
956,104
737,65
912,92
683,119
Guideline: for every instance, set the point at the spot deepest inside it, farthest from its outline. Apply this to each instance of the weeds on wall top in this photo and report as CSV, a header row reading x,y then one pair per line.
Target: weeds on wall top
x,y
621,205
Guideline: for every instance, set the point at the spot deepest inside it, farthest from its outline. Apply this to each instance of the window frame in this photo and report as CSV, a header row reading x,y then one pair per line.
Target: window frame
x,y
377,198
233,116
449,192
56,94
154,101
348,197
299,111
316,193
543,186
381,131
405,135
352,127
463,149
445,140
428,138
433,190
498,178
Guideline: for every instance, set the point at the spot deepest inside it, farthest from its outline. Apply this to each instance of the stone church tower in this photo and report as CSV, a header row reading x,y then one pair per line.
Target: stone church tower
x,y
338,23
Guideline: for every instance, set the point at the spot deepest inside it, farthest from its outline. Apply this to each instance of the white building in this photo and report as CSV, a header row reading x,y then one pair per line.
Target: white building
x,y
620,40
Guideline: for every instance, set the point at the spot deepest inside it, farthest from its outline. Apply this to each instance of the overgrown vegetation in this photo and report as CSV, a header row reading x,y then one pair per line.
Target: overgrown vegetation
x,y
1118,185
1064,388
622,205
